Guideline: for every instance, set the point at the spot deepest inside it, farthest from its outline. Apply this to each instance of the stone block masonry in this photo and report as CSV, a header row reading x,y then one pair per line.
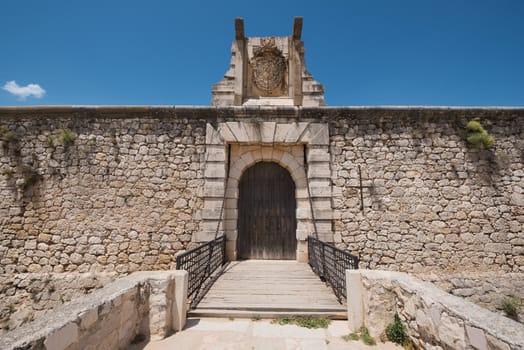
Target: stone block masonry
x,y
133,186
133,309
434,318
28,296
122,196
488,289
434,202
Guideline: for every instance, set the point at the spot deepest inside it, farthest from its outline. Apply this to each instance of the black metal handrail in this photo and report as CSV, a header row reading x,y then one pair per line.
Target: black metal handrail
x,y
201,264
330,264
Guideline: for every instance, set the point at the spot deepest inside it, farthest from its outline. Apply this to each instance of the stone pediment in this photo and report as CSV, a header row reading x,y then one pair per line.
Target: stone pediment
x,y
268,71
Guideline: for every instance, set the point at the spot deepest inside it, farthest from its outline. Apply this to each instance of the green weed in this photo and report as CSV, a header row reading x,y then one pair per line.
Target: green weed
x,y
351,336
66,137
396,331
511,306
8,173
477,135
362,334
306,322
366,338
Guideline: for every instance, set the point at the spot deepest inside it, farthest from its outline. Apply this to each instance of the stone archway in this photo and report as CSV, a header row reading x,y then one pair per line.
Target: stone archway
x,y
244,157
287,144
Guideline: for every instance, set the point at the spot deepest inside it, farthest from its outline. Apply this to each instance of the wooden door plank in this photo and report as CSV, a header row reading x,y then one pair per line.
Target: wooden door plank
x,y
267,213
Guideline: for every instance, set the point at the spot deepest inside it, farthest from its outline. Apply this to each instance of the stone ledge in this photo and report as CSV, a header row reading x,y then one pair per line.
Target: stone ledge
x,y
77,320
211,113
464,324
486,289
28,295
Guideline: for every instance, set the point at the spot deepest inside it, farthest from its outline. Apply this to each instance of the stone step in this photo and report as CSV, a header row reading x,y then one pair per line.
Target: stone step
x,y
265,314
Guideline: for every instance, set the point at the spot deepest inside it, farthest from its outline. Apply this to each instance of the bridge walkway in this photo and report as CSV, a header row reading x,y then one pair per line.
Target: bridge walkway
x,y
269,289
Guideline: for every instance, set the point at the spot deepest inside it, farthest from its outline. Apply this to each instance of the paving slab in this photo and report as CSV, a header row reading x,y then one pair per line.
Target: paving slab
x,y
218,325
338,328
246,334
306,344
265,329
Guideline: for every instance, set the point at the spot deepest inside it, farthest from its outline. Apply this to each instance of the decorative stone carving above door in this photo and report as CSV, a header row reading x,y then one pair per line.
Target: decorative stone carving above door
x,y
268,71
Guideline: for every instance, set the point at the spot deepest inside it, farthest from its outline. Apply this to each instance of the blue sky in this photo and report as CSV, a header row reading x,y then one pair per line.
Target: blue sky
x,y
367,52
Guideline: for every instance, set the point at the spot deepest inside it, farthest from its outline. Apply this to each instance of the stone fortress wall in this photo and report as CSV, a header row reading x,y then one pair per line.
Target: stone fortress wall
x,y
488,290
28,296
436,203
124,314
434,319
126,193
123,196
88,194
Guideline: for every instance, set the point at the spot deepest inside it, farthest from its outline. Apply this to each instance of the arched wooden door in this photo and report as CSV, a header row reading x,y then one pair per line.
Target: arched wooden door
x,y
267,213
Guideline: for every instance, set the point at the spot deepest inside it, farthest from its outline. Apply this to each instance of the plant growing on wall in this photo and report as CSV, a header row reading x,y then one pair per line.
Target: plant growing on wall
x,y
50,141
6,136
396,331
8,173
477,135
30,177
66,137
511,306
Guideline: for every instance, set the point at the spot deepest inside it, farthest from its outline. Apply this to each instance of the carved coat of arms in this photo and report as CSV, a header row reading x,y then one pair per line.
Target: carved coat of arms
x,y
268,67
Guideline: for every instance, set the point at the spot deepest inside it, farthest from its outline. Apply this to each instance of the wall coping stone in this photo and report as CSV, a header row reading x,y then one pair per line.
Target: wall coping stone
x,y
210,112
71,312
261,107
493,324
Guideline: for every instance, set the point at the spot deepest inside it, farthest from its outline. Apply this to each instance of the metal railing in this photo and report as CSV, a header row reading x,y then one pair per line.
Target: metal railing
x,y
330,264
201,264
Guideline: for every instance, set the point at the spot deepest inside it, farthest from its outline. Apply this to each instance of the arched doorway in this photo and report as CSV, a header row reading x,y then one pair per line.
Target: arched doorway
x,y
267,213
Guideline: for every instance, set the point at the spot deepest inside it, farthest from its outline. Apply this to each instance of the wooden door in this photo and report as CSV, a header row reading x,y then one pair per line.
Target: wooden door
x,y
267,213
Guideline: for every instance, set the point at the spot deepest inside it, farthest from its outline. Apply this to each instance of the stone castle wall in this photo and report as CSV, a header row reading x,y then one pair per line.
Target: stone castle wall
x,y
433,318
28,296
126,193
126,313
122,196
488,289
435,202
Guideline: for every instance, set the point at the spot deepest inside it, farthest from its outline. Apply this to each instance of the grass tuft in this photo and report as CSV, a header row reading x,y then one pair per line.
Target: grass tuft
x,y
366,338
66,137
351,336
511,306
362,334
306,322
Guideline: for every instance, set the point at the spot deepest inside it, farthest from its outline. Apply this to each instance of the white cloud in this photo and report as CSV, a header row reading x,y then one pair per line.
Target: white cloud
x,y
22,92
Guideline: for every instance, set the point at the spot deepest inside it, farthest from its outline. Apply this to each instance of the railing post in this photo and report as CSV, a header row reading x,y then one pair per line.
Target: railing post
x,y
224,250
323,259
